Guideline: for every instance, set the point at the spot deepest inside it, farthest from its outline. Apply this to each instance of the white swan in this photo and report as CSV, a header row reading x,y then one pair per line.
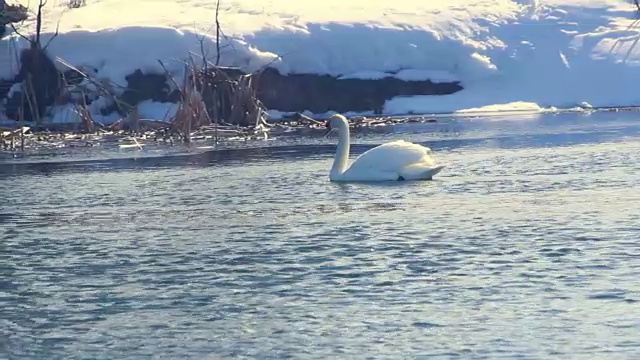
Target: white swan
x,y
393,161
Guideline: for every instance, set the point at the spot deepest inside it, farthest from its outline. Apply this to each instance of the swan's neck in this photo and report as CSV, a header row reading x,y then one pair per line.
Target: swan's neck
x,y
340,163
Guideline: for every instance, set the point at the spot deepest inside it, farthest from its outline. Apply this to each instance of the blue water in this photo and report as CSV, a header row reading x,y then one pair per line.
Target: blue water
x,y
527,246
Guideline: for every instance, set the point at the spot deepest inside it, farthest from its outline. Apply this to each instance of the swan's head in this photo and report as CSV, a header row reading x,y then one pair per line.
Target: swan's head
x,y
335,123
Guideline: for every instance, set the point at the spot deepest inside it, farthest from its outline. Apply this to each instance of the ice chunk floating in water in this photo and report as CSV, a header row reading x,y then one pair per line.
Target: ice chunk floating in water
x,y
394,161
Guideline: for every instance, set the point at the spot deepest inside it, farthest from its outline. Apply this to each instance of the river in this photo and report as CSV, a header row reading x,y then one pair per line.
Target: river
x,y
526,246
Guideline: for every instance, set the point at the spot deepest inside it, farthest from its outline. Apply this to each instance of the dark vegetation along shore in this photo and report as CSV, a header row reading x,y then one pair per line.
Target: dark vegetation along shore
x,y
210,97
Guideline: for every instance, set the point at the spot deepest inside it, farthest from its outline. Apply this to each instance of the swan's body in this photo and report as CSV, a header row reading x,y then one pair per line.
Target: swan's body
x,y
393,161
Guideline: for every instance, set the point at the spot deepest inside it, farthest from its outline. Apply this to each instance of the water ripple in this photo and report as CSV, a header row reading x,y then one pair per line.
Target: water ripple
x,y
518,253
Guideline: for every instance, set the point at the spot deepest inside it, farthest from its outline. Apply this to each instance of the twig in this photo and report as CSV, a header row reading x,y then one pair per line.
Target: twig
x,y
15,30
52,37
39,21
217,33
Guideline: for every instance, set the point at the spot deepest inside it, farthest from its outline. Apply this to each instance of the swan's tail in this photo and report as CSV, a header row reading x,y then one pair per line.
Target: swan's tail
x,y
421,171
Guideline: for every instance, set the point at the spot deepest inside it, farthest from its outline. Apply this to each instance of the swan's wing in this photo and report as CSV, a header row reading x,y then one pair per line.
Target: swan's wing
x,y
392,157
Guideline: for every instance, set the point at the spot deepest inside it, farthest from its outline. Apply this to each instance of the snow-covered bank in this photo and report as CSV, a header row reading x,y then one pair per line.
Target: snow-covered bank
x,y
548,53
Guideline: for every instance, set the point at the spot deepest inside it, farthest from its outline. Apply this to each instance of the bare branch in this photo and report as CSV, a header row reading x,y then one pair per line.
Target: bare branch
x,y
201,39
39,21
15,30
52,37
168,74
268,64
217,33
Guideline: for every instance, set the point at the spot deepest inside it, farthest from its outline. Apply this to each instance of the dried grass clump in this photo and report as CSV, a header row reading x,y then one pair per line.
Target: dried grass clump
x,y
209,96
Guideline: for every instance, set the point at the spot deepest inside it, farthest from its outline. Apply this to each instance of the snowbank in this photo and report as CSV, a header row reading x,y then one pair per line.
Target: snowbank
x,y
546,53
117,52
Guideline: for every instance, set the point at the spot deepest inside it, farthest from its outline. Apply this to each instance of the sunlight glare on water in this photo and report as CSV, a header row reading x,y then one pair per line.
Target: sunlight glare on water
x,y
525,247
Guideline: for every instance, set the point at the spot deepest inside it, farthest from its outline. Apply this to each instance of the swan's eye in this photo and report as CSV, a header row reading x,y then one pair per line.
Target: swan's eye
x,y
327,124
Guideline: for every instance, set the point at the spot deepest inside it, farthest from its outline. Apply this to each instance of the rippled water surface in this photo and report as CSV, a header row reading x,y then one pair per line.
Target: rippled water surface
x,y
527,246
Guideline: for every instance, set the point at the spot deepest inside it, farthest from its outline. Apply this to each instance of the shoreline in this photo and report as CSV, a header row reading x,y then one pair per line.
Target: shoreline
x,y
209,138
290,117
